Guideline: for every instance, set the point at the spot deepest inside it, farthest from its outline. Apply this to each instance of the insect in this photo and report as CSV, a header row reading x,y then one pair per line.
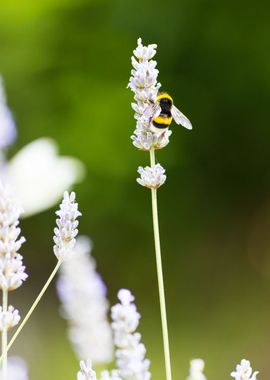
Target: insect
x,y
163,112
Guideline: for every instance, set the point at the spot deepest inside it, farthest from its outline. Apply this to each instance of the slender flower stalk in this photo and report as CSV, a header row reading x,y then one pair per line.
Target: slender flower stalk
x,y
143,83
64,239
4,335
160,275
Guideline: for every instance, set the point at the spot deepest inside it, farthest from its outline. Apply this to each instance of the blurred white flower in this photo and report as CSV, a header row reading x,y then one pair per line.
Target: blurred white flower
x,y
66,230
244,371
196,370
130,352
84,305
7,125
151,178
39,175
17,369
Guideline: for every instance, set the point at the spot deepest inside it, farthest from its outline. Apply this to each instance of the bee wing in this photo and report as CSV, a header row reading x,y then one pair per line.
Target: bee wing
x,y
180,118
152,111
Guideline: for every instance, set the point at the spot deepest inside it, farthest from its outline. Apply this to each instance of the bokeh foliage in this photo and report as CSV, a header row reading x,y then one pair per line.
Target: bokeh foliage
x,y
66,65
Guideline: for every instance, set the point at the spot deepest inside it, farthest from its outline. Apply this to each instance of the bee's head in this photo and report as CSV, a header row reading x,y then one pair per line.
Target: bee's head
x,y
165,101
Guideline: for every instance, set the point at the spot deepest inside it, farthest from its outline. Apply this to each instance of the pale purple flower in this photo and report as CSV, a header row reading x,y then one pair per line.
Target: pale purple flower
x,y
130,352
151,178
66,230
143,82
12,270
9,318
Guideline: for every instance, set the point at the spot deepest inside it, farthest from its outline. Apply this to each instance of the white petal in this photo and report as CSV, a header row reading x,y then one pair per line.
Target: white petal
x,y
39,175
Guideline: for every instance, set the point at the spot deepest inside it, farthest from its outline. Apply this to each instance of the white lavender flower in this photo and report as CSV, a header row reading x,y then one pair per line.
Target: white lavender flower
x,y
244,371
12,270
130,352
151,178
7,125
84,305
143,83
9,318
196,370
66,230
17,369
86,372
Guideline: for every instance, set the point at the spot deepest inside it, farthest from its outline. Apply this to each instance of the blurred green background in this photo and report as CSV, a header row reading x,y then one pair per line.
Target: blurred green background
x,y
66,65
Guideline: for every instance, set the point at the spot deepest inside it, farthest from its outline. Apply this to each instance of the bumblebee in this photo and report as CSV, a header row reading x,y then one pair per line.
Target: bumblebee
x,y
164,111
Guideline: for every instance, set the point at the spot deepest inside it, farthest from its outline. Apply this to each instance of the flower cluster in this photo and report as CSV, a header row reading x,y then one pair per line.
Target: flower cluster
x,y
84,304
9,318
130,352
244,371
196,370
66,230
12,270
143,83
151,178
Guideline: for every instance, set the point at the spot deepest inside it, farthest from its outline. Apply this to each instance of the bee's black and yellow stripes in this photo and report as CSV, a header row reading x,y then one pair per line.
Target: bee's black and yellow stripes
x,y
164,119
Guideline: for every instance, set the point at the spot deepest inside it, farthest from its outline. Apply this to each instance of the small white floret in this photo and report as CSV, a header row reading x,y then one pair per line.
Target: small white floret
x,y
196,370
244,371
9,318
151,178
86,372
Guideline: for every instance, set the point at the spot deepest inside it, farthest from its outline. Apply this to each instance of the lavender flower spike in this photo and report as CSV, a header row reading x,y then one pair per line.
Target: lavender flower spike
x,y
130,352
143,82
244,371
84,305
12,270
66,230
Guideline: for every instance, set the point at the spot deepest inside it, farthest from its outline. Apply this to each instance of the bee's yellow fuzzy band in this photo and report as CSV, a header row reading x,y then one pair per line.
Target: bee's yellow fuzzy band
x,y
163,120
163,95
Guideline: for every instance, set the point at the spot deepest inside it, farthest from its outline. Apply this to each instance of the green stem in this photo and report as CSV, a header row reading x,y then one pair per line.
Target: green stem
x,y
4,337
160,277
28,315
